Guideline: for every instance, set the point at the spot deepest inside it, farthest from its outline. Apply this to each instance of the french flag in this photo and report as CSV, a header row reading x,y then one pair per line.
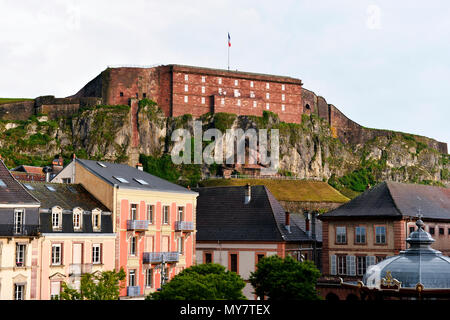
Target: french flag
x,y
229,40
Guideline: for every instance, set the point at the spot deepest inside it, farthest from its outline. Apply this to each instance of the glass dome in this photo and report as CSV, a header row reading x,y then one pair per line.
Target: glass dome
x,y
417,265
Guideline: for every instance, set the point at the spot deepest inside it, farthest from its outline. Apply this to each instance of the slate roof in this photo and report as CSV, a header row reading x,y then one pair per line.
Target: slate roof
x,y
113,170
68,197
396,200
13,192
223,215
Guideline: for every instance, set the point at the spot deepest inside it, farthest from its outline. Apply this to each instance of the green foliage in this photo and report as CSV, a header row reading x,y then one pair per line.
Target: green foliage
x,y
13,100
224,121
103,286
202,282
285,279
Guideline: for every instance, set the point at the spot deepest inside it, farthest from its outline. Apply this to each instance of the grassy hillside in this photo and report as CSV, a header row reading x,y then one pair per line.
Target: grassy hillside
x,y
288,190
11,100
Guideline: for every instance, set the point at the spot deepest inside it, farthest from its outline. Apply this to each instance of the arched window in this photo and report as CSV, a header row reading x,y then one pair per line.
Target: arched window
x,y
307,107
77,218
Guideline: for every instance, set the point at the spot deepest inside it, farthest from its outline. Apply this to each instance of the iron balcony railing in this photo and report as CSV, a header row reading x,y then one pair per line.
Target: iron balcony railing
x,y
184,226
137,224
78,269
133,291
19,230
158,257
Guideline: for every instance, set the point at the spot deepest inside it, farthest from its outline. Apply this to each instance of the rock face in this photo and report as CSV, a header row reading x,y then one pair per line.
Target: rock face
x,y
310,150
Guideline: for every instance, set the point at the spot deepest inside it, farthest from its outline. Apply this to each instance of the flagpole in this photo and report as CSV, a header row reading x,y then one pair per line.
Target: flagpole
x,y
228,45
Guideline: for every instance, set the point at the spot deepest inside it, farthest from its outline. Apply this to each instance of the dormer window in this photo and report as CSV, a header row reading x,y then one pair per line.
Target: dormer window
x,y
96,219
56,218
77,216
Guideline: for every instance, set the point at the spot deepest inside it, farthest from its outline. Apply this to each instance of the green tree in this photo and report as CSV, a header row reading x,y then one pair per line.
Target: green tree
x,y
285,279
102,286
202,282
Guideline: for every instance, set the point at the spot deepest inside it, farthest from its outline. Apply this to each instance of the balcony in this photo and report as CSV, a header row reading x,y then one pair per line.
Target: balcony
x,y
137,225
184,226
158,257
77,269
133,291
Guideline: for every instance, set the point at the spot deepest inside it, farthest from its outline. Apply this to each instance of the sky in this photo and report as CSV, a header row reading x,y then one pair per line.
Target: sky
x,y
384,64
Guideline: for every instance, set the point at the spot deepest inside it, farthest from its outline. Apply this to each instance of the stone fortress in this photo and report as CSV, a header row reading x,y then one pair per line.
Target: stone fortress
x,y
179,89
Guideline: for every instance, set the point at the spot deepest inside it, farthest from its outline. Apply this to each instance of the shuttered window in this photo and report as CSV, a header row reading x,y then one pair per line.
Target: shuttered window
x,y
333,265
351,267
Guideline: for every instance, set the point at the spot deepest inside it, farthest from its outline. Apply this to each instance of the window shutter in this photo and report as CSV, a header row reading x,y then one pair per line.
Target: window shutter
x,y
333,264
351,265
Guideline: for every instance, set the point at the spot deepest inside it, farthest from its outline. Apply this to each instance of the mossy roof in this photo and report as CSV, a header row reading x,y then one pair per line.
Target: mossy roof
x,y
288,190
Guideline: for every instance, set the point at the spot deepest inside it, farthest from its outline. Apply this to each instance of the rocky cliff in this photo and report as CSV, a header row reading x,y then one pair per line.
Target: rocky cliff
x,y
310,150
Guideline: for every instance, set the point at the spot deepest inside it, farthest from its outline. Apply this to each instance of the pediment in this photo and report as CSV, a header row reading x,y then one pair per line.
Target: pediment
x,y
19,278
57,276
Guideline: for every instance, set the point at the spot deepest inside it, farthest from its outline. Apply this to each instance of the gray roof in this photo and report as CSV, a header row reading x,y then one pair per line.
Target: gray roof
x,y
223,215
394,199
11,191
111,171
418,264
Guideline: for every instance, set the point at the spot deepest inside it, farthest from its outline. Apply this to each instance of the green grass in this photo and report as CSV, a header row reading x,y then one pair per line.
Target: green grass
x,y
11,100
287,190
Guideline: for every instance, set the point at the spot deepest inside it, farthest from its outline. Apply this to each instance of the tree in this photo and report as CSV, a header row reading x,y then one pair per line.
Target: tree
x,y
102,286
285,279
202,282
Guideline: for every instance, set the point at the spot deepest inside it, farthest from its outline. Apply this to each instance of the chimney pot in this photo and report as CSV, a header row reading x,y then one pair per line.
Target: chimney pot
x,y
140,167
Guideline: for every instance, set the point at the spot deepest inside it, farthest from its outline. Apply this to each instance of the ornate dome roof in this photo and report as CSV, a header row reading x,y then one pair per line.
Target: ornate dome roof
x,y
417,265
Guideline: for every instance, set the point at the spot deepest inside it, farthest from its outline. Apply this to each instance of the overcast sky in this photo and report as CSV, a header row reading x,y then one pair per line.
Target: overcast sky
x,y
385,64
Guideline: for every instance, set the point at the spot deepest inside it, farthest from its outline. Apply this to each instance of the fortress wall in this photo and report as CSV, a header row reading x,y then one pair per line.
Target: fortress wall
x,y
17,110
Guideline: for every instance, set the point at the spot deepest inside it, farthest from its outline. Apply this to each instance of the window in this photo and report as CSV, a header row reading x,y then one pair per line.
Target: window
x,y
181,245
379,258
283,97
51,188
342,265
236,82
259,257
186,77
137,95
186,88
133,245
144,95
56,218
55,289
360,235
220,91
252,94
255,104
222,101
186,99
411,229
166,214
219,80
120,179
29,187
149,278
236,93
77,219
267,106
283,87
140,181
341,235
380,234
203,89
208,257
251,84
233,262
267,95
56,254
133,211
267,85
283,108
203,79
180,213
441,231
19,292
2,183
18,220
96,220
361,265
132,278
150,213
101,164
431,229
203,100
96,253
20,254
239,102
121,94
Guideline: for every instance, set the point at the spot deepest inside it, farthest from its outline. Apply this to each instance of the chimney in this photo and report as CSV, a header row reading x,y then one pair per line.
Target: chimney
x,y
287,223
140,167
47,171
248,193
307,229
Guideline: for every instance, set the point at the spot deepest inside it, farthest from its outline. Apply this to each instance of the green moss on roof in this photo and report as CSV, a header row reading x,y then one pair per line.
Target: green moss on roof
x,y
11,100
287,190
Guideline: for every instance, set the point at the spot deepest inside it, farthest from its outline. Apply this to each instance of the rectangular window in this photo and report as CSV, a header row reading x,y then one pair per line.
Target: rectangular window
x,y
133,212
77,220
380,234
267,106
186,88
96,254
121,94
181,245
203,100
55,289
166,213
56,220
236,82
251,84
96,222
283,108
236,93
361,265
283,97
144,95
267,86
267,95
186,99
149,278
341,235
342,265
132,278
431,229
203,89
259,257
19,292
441,231
255,104
283,87
56,254
186,77
20,254
150,213
220,91
66,180
252,94
219,80
18,221
238,102
208,257
360,235
233,262
203,79
411,229
222,101
180,216
133,245
379,258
